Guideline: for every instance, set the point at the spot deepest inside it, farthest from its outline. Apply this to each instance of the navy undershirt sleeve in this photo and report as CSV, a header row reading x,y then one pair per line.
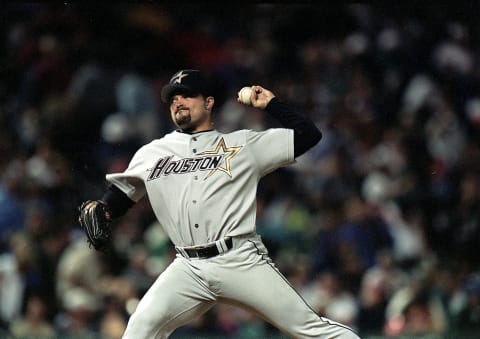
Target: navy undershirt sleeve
x,y
306,134
117,201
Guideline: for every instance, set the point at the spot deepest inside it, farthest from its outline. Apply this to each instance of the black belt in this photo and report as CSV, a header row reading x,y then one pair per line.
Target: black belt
x,y
205,251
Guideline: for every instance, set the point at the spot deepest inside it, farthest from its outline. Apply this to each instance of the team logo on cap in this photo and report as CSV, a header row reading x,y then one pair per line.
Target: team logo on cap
x,y
177,78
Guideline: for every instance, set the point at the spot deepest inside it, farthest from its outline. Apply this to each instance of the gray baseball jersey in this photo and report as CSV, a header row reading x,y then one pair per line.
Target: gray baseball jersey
x,y
202,187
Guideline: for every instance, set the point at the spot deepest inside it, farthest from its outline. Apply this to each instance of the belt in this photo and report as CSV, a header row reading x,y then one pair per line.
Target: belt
x,y
207,251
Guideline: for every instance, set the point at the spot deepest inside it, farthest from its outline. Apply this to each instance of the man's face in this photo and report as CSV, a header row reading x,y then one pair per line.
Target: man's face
x,y
191,113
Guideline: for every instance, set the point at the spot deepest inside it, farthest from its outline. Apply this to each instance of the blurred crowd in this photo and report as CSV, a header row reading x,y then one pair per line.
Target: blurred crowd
x,y
378,226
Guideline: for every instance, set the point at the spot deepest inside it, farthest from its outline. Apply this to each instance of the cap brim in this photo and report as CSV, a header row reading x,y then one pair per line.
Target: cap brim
x,y
169,90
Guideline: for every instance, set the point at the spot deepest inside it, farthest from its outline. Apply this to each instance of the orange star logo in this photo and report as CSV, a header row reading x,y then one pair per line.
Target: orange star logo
x,y
227,152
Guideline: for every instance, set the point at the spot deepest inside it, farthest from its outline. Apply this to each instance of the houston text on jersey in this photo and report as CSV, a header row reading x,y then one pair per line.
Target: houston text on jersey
x,y
205,161
166,166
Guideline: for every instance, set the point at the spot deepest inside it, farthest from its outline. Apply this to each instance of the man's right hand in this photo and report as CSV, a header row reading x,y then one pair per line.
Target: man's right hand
x,y
261,97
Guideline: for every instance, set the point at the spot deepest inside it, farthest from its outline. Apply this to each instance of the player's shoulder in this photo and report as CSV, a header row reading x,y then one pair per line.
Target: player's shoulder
x,y
252,132
162,140
149,145
239,132
155,143
237,135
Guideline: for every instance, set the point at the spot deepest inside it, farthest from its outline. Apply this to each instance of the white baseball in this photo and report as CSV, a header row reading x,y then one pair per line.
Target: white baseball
x,y
244,95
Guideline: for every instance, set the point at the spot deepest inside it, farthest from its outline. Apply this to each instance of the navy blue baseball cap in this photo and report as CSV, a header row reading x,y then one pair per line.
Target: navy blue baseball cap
x,y
185,81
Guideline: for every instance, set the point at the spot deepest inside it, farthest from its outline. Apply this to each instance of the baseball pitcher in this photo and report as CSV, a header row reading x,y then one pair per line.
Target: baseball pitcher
x,y
202,187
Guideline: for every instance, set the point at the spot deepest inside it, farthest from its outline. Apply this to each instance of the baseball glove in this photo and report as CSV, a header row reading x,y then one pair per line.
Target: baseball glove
x,y
95,221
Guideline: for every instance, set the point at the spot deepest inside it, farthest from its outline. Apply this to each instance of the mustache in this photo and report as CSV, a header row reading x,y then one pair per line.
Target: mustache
x,y
181,109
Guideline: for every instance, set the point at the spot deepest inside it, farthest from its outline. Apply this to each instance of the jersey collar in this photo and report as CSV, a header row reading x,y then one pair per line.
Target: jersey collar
x,y
195,133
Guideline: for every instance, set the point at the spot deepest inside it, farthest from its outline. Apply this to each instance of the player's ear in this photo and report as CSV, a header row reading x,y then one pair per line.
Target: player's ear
x,y
209,102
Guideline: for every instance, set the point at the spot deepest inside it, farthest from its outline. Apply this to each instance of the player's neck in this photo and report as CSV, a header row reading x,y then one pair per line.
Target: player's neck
x,y
196,131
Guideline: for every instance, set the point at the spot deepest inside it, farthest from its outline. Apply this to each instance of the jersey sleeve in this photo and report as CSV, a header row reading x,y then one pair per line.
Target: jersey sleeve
x,y
131,181
272,148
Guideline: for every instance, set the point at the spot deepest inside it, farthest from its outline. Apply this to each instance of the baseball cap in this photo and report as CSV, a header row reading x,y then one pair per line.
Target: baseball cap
x,y
189,81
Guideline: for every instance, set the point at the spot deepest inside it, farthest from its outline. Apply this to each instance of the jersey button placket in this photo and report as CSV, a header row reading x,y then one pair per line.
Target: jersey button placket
x,y
195,215
194,150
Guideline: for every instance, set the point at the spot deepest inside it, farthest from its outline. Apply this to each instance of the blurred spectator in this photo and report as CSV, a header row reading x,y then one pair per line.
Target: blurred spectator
x,y
112,326
113,314
465,219
414,311
351,248
12,213
203,325
468,316
11,289
135,96
78,318
79,269
378,285
35,322
19,273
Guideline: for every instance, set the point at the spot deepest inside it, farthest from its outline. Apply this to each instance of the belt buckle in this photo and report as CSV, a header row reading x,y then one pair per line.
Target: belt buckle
x,y
203,252
192,253
196,252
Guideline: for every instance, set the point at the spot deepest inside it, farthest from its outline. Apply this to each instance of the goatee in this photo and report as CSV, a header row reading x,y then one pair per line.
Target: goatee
x,y
183,120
